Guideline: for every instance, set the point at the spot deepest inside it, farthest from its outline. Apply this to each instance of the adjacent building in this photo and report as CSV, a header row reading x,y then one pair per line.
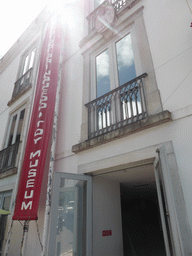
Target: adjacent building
x,y
118,160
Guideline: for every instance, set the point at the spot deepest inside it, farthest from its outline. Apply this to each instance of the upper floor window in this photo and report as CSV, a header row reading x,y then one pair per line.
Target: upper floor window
x,y
113,66
8,156
28,61
15,127
116,64
25,73
117,59
119,98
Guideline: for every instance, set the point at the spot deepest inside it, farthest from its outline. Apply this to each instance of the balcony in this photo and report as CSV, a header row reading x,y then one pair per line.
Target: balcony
x,y
121,112
118,5
120,107
8,157
22,84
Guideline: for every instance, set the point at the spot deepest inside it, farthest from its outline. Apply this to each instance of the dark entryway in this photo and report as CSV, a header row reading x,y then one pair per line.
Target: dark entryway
x,y
142,231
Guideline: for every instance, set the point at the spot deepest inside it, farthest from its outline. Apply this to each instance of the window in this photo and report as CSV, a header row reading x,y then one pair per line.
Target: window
x,y
28,61
118,67
102,73
5,199
27,65
15,128
25,73
9,154
119,86
115,67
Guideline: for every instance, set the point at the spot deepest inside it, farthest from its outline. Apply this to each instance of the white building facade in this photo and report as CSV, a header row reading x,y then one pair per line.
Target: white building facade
x,y
122,162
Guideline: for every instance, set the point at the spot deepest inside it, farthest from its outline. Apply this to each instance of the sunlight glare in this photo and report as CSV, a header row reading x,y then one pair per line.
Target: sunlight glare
x,y
65,9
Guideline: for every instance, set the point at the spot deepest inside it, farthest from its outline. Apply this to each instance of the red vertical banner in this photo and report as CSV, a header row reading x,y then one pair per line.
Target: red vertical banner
x,y
40,128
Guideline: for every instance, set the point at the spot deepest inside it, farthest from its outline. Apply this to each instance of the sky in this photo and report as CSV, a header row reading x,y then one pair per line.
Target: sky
x,y
15,17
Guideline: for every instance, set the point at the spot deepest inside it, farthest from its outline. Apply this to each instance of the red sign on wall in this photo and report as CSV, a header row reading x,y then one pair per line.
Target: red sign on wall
x,y
107,233
40,129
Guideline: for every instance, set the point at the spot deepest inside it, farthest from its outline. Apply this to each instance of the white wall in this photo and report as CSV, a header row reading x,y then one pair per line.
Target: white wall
x,y
170,36
176,131
7,80
106,216
168,28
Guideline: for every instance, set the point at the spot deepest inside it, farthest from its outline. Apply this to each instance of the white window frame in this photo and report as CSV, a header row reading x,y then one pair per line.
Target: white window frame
x,y
28,52
113,68
54,211
17,112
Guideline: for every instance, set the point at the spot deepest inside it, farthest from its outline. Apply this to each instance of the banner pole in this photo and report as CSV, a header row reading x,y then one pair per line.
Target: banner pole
x,y
25,236
52,161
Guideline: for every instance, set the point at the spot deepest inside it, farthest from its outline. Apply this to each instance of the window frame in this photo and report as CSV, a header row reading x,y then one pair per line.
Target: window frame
x,y
127,20
113,67
18,113
23,58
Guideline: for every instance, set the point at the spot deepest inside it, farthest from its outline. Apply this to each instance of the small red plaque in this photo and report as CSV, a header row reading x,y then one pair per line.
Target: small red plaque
x,y
107,233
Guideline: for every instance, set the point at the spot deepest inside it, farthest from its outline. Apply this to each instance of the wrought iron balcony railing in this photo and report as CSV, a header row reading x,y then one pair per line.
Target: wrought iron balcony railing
x,y
117,4
120,107
22,83
8,157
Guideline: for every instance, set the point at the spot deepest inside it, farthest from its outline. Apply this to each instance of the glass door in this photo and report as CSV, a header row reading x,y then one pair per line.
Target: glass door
x,y
71,224
163,203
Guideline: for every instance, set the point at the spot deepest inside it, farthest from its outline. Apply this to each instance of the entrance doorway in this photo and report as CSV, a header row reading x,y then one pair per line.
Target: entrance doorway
x,y
141,224
139,216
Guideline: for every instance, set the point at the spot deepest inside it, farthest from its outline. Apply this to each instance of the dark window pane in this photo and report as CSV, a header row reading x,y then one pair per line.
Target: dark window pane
x,y
10,142
125,60
102,71
20,125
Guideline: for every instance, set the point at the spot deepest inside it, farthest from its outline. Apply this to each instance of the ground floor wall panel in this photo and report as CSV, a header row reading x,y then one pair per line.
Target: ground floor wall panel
x,y
142,146
107,226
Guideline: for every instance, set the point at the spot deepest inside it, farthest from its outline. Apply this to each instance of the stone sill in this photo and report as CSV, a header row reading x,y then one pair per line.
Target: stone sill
x,y
151,121
7,173
19,94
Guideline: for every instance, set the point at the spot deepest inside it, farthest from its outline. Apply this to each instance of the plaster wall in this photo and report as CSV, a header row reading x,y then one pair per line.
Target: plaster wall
x,y
7,81
8,78
8,183
169,34
106,216
171,55
69,119
176,131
